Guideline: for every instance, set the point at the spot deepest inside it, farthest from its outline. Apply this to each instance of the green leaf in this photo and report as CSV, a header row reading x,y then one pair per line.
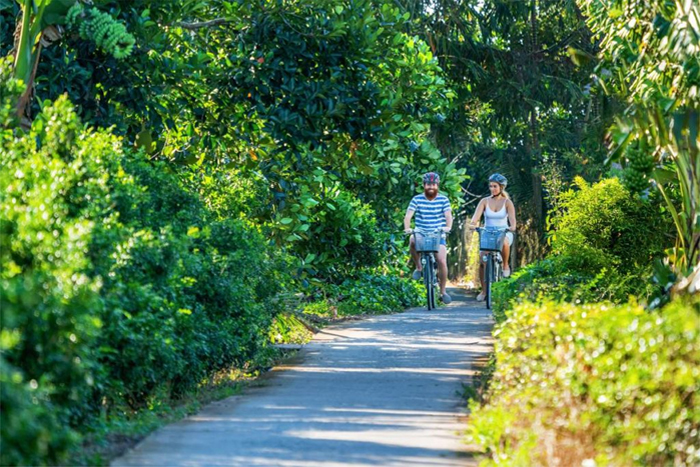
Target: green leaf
x,y
55,12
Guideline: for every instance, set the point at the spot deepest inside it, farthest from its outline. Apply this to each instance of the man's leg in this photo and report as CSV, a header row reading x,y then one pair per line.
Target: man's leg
x,y
442,268
414,254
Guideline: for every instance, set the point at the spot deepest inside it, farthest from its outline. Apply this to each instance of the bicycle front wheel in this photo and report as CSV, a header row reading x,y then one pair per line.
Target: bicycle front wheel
x,y
497,270
488,279
428,272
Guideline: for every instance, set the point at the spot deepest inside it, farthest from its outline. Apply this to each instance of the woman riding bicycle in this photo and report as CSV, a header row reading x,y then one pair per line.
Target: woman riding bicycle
x,y
499,212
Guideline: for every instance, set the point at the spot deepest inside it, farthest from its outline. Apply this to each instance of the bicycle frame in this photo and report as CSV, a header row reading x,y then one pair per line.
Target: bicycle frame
x,y
430,269
493,269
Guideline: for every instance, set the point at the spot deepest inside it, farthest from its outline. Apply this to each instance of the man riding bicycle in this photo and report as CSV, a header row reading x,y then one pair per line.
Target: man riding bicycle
x,y
433,211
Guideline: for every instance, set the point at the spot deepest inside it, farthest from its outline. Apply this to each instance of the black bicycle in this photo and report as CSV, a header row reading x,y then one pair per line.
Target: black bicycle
x,y
427,243
490,244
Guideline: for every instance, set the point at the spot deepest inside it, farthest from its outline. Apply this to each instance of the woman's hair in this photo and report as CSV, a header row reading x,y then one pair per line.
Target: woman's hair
x,y
503,191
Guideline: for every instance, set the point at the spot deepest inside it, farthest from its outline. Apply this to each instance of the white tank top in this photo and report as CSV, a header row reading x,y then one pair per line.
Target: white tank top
x,y
496,218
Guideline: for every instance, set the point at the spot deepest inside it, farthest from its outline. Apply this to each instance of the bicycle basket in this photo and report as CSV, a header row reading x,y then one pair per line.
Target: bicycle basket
x,y
427,242
491,239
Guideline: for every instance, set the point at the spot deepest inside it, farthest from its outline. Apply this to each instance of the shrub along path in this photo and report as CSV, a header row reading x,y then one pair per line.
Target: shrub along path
x,y
382,391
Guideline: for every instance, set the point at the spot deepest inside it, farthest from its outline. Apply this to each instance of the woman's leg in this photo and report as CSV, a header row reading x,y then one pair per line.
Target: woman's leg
x,y
482,268
481,273
506,255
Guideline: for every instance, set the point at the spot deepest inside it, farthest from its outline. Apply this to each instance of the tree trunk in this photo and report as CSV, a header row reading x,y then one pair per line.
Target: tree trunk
x,y
537,201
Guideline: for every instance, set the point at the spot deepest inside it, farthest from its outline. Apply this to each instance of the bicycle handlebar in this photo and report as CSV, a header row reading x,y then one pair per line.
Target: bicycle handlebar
x,y
424,231
505,229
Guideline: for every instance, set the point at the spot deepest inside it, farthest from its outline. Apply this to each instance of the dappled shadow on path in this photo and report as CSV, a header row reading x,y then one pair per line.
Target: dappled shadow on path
x,y
384,391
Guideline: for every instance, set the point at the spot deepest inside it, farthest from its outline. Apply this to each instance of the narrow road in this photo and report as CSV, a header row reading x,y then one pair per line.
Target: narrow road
x,y
382,391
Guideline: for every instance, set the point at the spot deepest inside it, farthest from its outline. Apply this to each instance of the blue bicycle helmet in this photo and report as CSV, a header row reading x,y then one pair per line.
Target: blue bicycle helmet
x,y
500,179
431,177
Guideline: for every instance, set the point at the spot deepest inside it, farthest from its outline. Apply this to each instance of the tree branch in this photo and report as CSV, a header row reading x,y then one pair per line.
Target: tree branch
x,y
203,24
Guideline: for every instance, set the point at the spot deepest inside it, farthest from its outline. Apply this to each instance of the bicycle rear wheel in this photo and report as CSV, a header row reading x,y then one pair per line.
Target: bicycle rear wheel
x,y
428,272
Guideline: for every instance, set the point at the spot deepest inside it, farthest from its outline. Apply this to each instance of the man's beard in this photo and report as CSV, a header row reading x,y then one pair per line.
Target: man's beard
x,y
430,193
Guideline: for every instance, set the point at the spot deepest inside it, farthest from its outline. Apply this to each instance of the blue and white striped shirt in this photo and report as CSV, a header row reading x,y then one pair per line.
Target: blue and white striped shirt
x,y
430,215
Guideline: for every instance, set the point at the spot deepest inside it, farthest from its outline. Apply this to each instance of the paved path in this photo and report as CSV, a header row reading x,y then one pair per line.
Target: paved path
x,y
382,391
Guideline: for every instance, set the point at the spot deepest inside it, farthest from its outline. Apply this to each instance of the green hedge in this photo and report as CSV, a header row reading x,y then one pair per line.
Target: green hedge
x,y
615,384
603,239
605,226
369,291
374,293
118,285
554,279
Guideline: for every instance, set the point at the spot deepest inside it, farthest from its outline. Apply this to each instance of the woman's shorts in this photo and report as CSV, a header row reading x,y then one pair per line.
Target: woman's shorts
x,y
509,238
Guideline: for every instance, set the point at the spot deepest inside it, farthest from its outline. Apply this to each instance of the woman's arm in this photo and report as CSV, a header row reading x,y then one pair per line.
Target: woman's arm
x,y
479,211
510,207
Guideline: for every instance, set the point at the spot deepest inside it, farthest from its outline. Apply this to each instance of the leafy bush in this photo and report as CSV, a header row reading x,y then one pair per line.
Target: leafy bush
x,y
30,430
611,383
335,232
372,293
605,226
117,285
554,279
194,294
602,249
54,189
368,292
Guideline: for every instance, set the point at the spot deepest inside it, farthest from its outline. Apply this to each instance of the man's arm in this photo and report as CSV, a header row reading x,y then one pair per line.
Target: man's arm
x,y
448,220
407,220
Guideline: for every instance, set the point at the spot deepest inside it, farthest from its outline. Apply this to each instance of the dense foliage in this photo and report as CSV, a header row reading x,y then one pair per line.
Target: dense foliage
x,y
183,182
650,58
602,249
131,274
610,384
118,285
522,107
